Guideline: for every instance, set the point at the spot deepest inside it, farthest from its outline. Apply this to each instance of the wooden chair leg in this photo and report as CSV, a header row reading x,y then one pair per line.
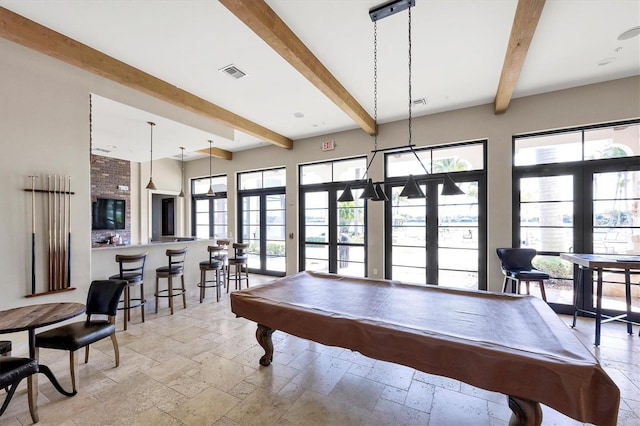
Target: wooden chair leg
x,y
184,292
32,395
116,349
86,354
170,281
203,277
72,368
542,292
142,301
156,293
127,308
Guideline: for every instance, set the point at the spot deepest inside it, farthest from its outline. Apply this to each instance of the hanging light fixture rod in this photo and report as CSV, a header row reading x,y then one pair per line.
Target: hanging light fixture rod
x,y
151,185
389,8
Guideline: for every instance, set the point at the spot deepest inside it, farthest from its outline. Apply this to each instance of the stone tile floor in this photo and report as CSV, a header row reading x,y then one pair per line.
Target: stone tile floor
x,y
200,367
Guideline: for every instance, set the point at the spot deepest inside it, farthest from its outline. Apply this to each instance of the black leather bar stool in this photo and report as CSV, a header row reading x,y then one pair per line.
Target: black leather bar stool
x,y
239,264
215,263
132,271
174,269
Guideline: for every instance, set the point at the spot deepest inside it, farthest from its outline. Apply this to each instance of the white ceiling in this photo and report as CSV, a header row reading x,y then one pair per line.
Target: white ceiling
x,y
458,48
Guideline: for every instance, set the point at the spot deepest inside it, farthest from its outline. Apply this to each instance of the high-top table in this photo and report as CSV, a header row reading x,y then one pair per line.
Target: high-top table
x,y
512,344
35,316
601,262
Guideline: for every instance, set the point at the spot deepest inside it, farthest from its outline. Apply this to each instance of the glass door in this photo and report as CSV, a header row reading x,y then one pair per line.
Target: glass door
x,y
262,222
334,232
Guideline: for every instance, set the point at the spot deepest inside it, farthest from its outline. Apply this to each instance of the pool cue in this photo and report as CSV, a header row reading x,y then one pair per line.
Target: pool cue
x,y
49,229
63,231
33,235
55,232
69,237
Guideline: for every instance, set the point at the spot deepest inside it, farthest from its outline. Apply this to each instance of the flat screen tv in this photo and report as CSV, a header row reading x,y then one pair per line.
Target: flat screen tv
x,y
108,213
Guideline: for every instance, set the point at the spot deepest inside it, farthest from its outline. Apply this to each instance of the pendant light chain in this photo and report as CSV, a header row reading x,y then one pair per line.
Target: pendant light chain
x,y
375,82
410,130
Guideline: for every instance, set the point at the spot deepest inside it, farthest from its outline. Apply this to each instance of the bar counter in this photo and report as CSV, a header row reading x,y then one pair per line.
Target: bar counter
x,y
103,263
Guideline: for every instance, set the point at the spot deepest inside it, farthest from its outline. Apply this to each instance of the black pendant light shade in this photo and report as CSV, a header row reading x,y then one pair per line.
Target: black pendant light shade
x,y
346,195
449,187
380,195
181,194
411,189
151,185
369,192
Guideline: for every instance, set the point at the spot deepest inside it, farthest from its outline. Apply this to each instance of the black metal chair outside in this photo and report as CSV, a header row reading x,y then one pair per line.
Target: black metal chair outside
x,y
516,267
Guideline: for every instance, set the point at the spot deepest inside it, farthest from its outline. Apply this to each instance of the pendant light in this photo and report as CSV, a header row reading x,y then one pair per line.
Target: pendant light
x,y
411,189
210,192
150,185
374,192
181,194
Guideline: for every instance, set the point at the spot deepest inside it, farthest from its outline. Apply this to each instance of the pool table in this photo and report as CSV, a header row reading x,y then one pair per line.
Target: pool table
x,y
512,344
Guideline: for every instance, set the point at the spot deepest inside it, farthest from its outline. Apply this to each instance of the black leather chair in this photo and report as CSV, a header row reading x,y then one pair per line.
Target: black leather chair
x,y
131,269
12,371
102,300
5,347
516,266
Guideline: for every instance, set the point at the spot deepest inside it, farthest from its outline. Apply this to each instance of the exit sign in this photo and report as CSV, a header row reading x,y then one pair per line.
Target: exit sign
x,y
328,145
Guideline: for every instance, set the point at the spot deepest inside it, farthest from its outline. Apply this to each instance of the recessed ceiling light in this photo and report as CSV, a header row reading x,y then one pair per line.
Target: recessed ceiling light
x,y
606,61
298,114
630,33
112,146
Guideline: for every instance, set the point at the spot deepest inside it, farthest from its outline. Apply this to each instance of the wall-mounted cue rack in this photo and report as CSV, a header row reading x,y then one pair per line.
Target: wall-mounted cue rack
x,y
56,215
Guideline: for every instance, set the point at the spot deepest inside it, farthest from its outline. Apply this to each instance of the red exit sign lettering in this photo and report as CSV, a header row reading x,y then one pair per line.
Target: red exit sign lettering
x,y
328,145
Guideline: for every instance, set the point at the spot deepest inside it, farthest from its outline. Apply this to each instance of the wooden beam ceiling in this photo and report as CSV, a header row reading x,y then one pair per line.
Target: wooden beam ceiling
x,y
23,31
217,153
524,26
258,16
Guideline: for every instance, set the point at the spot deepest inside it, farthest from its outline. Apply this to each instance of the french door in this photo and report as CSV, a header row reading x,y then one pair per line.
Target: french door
x,y
332,232
438,239
262,223
582,208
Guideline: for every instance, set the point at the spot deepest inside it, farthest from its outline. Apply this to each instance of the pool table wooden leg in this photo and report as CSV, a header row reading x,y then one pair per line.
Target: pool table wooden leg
x,y
525,412
263,334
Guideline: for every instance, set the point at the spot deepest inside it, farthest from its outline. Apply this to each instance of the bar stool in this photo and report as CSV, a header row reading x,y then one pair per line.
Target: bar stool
x,y
175,268
239,264
132,271
215,263
224,243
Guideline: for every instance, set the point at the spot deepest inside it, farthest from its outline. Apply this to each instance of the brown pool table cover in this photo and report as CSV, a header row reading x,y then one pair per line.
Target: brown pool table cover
x,y
515,345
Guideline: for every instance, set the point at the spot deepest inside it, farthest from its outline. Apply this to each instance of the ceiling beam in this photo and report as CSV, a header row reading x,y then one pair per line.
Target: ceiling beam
x,y
524,26
23,31
217,153
260,18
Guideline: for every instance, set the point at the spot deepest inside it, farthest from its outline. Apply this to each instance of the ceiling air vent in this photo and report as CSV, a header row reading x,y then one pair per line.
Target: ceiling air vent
x,y
233,71
106,151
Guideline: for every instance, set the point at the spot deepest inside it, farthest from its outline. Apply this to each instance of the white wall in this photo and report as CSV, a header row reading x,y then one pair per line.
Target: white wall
x,y
44,126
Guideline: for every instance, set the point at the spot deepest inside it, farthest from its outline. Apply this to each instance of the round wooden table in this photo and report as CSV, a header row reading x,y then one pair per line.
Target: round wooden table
x,y
34,316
